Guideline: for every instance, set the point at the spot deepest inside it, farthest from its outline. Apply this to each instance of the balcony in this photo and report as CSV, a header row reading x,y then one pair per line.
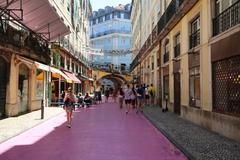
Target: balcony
x,y
227,19
177,50
169,13
166,57
194,39
23,39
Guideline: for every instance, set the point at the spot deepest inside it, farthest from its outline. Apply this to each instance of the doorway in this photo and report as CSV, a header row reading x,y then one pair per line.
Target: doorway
x,y
177,93
23,88
3,80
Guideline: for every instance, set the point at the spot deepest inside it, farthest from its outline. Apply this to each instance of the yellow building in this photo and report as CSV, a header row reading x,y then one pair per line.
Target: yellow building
x,y
199,57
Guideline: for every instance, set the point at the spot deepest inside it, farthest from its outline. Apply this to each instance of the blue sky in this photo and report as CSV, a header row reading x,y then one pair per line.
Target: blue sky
x,y
96,4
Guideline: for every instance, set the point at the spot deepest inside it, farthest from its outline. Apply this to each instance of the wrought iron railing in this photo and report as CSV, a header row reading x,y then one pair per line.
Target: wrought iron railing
x,y
23,39
169,13
166,57
227,19
177,50
194,39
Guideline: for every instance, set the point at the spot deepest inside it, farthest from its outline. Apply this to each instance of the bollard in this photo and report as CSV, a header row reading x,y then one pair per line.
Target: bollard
x,y
42,110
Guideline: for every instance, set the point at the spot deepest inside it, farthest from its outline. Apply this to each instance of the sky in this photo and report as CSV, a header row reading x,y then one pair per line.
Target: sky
x,y
96,4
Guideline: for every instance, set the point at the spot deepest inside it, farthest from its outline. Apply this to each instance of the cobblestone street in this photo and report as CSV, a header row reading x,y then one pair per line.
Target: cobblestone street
x,y
196,142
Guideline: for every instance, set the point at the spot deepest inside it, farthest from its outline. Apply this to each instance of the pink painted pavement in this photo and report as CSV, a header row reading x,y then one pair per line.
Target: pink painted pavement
x,y
102,132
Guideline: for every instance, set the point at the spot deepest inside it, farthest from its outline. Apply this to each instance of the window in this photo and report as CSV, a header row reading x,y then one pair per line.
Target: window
x,y
100,19
107,17
166,52
226,15
73,67
195,33
126,16
222,5
177,45
195,25
152,59
76,68
62,61
68,7
166,87
94,21
117,15
68,65
194,86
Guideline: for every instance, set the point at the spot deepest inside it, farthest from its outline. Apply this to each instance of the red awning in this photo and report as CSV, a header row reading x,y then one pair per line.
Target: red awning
x,y
38,15
72,77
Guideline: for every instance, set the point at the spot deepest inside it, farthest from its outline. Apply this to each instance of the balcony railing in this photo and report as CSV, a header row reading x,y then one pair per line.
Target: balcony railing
x,y
24,39
177,50
168,14
194,39
166,57
227,19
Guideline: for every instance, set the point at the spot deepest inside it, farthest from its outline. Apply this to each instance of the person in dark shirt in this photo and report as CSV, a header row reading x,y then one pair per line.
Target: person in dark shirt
x,y
140,97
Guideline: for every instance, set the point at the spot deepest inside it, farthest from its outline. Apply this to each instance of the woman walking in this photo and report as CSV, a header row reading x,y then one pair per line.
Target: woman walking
x,y
120,97
134,97
69,101
127,96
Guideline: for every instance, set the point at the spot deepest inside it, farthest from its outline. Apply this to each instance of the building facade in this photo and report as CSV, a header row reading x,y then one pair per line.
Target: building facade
x,y
147,67
30,62
110,32
199,69
70,52
24,53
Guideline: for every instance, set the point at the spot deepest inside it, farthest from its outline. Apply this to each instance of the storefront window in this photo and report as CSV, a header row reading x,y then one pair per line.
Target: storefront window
x,y
194,86
166,87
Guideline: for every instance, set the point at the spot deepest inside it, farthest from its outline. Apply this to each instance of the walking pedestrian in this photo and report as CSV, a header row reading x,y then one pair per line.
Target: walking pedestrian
x,y
114,95
120,97
127,96
152,91
134,97
140,96
69,101
106,95
147,96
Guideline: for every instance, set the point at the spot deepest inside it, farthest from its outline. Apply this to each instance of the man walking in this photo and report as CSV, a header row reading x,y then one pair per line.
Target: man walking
x,y
152,92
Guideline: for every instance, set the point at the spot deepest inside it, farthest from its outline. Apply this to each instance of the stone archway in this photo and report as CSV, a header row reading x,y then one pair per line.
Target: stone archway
x,y
119,80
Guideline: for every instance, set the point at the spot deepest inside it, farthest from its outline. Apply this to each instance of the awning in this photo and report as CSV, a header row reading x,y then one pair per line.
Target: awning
x,y
90,79
38,15
72,76
42,66
40,76
58,72
84,77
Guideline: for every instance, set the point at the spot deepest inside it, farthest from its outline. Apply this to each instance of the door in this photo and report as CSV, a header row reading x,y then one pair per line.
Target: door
x,y
23,88
3,83
177,93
